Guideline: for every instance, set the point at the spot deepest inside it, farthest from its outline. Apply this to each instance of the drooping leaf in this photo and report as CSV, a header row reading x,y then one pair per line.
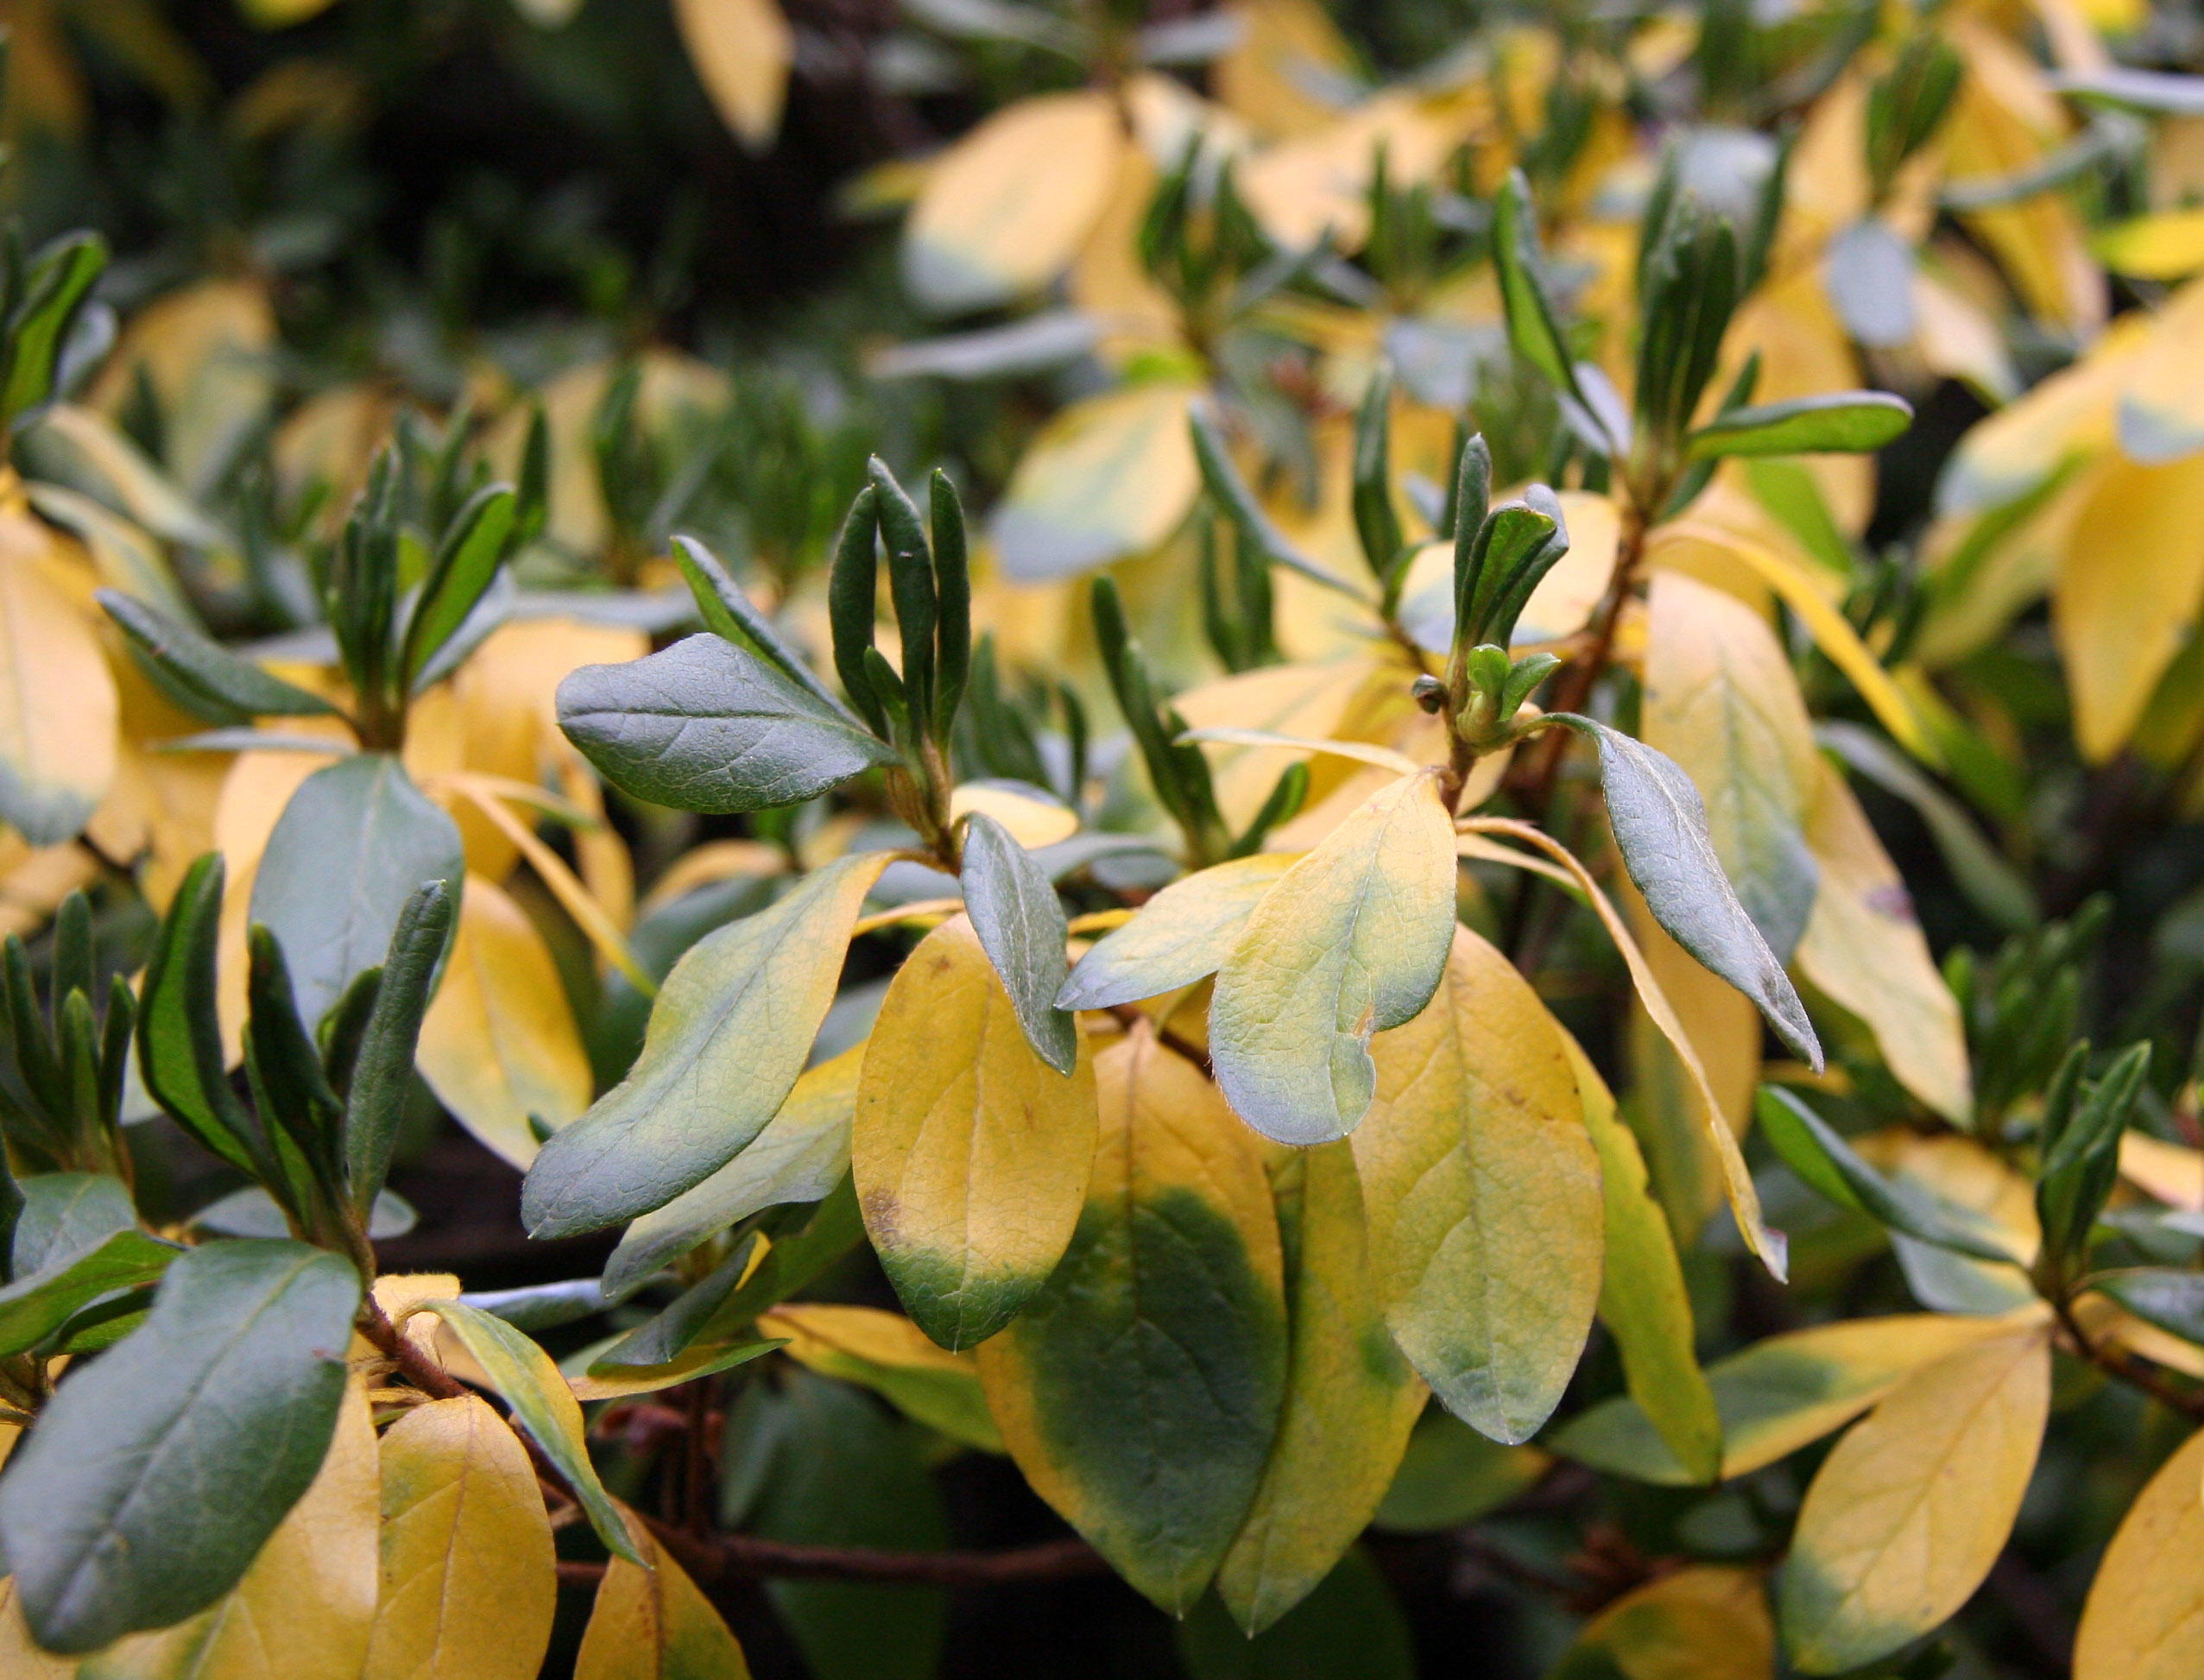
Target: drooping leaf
x,y
1483,1196
1350,941
308,1602
1182,934
544,1405
800,1156
1660,828
468,1588
651,1623
1021,924
893,1357
1643,1300
1910,1511
1777,1395
235,1379
2144,1618
1721,702
708,726
728,1036
1139,1390
970,1153
1351,1398
352,848
1853,422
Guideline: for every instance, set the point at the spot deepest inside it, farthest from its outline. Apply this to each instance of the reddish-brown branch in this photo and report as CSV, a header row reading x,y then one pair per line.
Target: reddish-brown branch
x,y
732,1556
2129,1367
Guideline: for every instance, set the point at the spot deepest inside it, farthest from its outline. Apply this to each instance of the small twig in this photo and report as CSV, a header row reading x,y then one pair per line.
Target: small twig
x,y
727,1557
2129,1367
400,1350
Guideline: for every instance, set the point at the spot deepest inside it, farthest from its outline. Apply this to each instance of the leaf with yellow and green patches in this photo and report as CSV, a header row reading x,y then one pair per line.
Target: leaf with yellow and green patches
x,y
893,1357
1351,1398
1483,1196
1643,1301
468,1585
1139,1391
651,1623
1349,941
1706,1621
1910,1510
971,1154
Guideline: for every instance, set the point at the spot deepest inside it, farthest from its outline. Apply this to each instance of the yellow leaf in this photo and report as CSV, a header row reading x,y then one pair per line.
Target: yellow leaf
x,y
1033,822
1828,626
1704,1622
1109,477
971,1154
1483,1196
2161,416
1265,78
742,49
2067,415
1319,181
58,702
2170,1172
20,1656
306,1605
1910,1511
1350,1398
1562,604
888,1353
468,1580
1350,941
2168,245
499,1043
205,350
1139,1391
2128,593
1005,210
1310,701
653,1624
2144,1618
1865,948
1643,1300
1182,934
1722,701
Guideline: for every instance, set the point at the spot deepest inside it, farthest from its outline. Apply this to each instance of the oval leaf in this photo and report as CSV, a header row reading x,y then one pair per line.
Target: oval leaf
x,y
1851,422
1021,926
2144,1620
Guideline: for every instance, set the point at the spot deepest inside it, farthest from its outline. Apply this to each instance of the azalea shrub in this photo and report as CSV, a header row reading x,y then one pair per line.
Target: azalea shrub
x,y
1340,843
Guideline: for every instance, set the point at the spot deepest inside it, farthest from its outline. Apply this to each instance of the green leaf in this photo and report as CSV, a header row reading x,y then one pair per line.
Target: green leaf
x,y
731,614
801,1253
65,1215
2173,1301
1349,1628
1530,325
38,1303
1021,926
665,1338
1255,528
853,602
180,1037
1351,940
350,849
800,1156
1817,1154
1660,828
818,1462
61,278
466,563
544,1405
1450,1475
382,1071
1483,1196
1139,1389
1643,1299
708,726
889,1355
728,1036
200,674
156,1474
1850,422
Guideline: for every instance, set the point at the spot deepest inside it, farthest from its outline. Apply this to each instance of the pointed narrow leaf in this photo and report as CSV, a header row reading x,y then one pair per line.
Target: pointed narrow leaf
x,y
1350,941
729,613
1852,422
1021,926
180,1037
708,726
1483,1196
468,1586
1139,1391
889,1355
34,1305
1182,934
234,1380
383,1068
544,1405
1530,325
1908,1513
201,674
970,1153
1351,1398
1660,828
464,567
